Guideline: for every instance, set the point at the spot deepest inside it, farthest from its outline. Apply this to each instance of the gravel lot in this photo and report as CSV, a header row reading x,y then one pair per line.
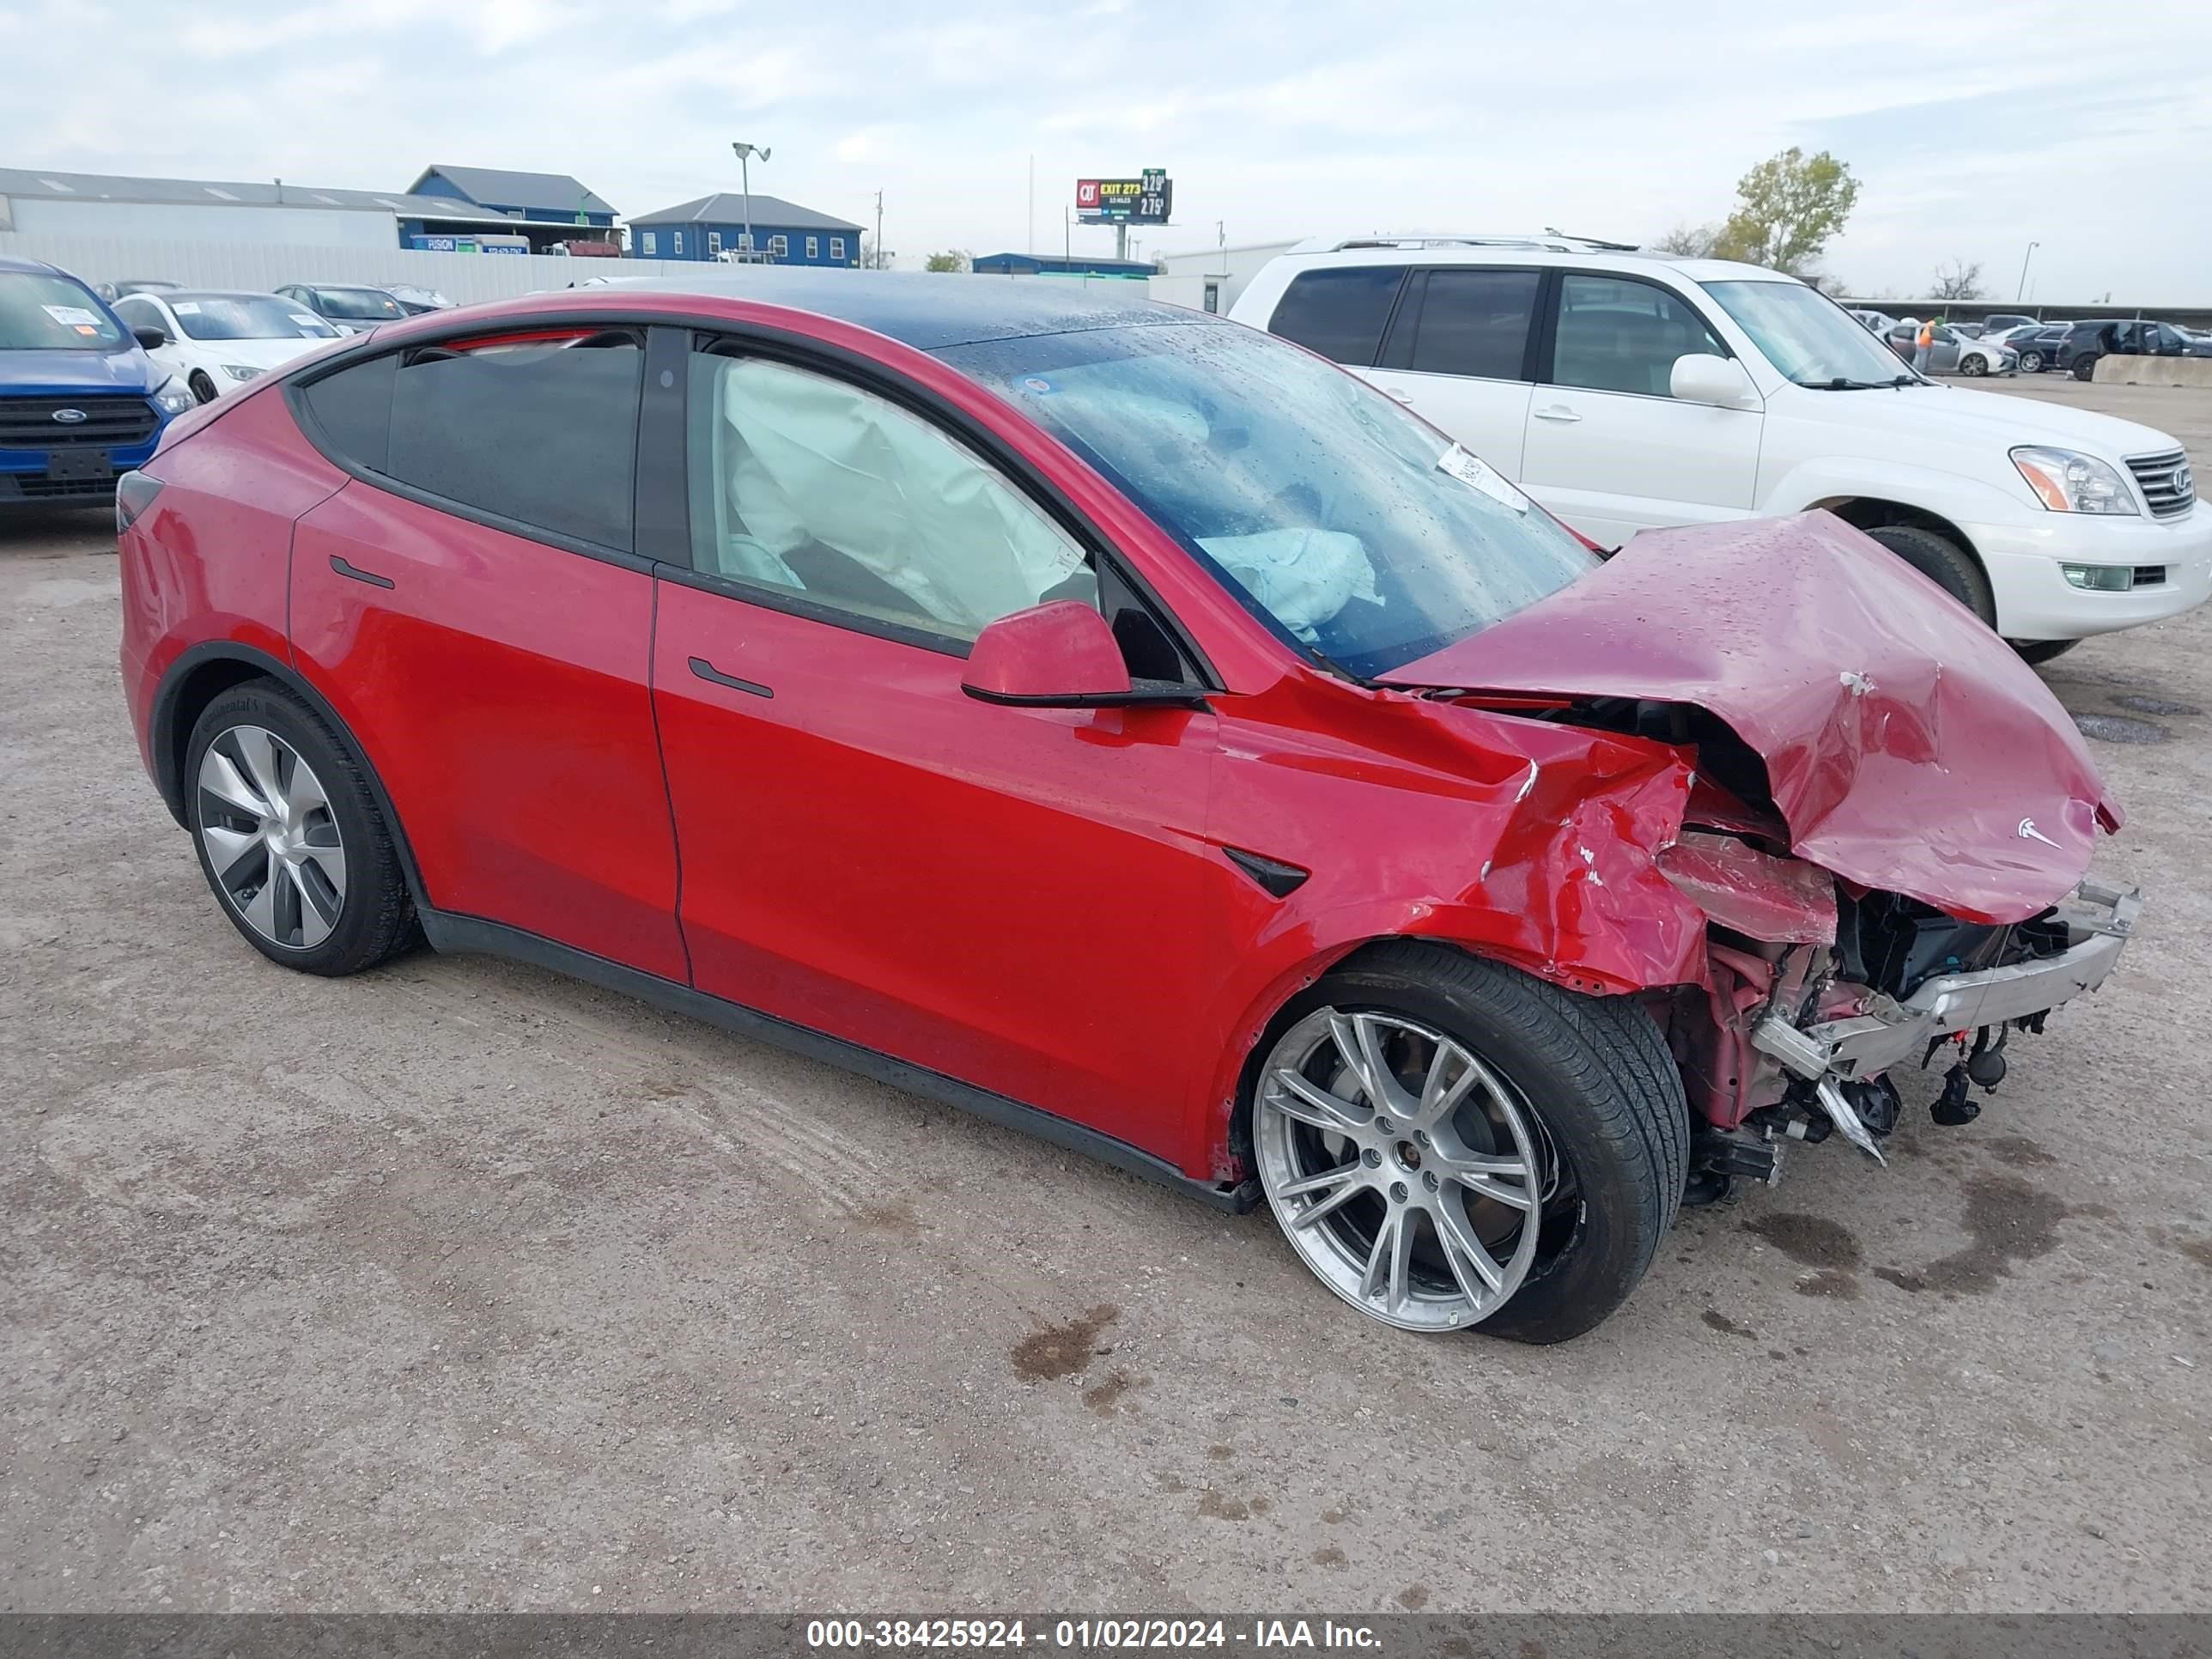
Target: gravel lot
x,y
463,1285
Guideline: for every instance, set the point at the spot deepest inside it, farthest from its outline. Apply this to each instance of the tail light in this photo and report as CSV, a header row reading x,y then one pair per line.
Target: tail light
x,y
134,493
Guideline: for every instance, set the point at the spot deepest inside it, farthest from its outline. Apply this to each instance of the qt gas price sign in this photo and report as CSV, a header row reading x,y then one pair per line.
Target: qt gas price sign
x,y
1147,200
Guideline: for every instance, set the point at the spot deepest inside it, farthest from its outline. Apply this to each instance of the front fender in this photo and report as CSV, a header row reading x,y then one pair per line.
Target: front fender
x,y
1951,496
1517,839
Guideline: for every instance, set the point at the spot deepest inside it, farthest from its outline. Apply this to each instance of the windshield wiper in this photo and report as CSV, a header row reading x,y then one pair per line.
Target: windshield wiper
x,y
1839,384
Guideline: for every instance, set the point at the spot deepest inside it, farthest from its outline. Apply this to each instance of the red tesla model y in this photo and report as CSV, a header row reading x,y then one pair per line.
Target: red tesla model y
x,y
1121,723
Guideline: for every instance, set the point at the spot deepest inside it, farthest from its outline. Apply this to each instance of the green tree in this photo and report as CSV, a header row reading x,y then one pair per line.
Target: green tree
x,y
954,258
1789,207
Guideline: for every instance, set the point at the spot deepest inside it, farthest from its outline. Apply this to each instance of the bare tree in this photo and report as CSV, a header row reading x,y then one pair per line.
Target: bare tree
x,y
1690,241
1959,281
872,257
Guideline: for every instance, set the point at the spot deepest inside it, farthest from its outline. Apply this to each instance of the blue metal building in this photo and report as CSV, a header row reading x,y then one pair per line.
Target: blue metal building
x,y
787,234
536,199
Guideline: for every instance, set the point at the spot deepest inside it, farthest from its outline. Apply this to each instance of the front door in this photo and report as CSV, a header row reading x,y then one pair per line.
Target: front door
x,y
1016,897
1610,449
470,605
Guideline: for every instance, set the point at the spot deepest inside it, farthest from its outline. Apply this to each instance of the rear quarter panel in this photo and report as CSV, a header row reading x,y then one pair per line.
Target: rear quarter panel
x,y
210,559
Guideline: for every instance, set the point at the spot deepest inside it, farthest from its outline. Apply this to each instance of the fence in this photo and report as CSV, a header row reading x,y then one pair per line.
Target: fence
x,y
467,277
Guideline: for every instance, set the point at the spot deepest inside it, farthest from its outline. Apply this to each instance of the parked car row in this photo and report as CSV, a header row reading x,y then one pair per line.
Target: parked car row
x,y
1974,348
90,377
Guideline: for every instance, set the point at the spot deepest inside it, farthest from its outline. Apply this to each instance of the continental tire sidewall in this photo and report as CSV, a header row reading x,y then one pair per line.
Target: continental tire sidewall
x,y
1596,1071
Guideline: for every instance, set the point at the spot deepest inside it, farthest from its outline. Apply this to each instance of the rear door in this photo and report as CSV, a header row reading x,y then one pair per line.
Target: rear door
x,y
1458,353
1020,898
474,605
1609,447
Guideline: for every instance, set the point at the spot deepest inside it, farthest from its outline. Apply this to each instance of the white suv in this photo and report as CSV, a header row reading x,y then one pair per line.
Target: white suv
x,y
1629,391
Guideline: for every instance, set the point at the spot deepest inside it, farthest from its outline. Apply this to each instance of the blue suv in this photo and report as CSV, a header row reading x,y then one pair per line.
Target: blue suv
x,y
80,400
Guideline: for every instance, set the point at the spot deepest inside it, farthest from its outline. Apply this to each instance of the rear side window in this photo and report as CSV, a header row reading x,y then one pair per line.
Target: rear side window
x,y
543,434
1474,322
353,410
1339,313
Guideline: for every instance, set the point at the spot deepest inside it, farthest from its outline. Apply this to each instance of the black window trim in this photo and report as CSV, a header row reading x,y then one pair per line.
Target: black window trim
x,y
1547,333
801,350
304,414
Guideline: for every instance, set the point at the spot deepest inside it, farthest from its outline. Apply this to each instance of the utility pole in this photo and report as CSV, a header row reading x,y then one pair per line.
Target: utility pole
x,y
879,230
2021,291
745,153
1032,248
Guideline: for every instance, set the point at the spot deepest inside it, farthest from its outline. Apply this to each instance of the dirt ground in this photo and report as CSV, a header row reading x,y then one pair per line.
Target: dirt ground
x,y
461,1285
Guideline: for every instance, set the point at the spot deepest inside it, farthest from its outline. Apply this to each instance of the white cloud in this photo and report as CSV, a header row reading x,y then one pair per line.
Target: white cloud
x,y
1974,125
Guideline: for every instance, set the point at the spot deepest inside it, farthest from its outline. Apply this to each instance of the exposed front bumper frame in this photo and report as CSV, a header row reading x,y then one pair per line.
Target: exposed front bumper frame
x,y
2100,920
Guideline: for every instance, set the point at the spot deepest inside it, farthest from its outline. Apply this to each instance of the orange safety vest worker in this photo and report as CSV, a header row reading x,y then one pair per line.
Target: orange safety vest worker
x,y
1927,341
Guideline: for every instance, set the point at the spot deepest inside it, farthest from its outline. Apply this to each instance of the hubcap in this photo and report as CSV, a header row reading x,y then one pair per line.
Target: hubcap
x,y
266,825
1408,1175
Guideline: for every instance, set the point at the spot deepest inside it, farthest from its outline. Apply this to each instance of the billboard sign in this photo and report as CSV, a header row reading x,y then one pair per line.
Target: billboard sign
x,y
1148,200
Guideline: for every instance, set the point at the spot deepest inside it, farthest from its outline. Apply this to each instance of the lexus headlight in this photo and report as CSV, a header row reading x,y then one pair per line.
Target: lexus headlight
x,y
2066,481
240,371
173,397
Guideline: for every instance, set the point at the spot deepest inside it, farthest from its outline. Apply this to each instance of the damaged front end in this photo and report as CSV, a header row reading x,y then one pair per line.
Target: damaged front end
x,y
1814,999
1888,829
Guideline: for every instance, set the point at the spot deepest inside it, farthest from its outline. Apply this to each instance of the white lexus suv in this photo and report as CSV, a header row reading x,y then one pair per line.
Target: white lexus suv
x,y
1629,391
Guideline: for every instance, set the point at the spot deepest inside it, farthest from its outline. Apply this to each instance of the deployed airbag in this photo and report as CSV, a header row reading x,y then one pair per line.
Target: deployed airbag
x,y
1302,578
802,459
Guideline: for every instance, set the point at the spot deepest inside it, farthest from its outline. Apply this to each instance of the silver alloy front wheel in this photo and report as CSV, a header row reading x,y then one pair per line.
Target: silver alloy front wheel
x,y
265,824
1408,1174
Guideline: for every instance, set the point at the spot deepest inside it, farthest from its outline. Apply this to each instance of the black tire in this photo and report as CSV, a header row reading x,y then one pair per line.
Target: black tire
x,y
2030,362
1943,562
376,919
201,387
2043,651
1611,1101
2085,368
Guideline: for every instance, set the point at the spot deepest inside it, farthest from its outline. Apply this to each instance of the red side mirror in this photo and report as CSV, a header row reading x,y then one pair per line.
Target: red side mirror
x,y
1060,654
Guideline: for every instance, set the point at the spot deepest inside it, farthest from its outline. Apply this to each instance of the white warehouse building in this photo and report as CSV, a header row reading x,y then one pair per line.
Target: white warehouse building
x,y
36,200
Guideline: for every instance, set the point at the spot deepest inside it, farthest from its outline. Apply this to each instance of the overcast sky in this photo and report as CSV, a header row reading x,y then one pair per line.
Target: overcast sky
x,y
1974,125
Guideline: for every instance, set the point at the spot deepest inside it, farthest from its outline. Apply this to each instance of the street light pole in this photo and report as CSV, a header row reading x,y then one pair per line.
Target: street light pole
x,y
745,153
2022,290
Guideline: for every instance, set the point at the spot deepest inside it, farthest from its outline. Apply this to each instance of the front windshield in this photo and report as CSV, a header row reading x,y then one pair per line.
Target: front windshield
x,y
39,313
1810,339
246,317
361,305
1357,530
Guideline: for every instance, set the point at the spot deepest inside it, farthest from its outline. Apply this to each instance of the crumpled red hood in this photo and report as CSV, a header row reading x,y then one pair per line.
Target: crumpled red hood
x,y
1907,747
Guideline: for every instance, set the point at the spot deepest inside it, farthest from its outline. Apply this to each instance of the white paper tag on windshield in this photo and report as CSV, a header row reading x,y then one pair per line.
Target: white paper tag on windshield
x,y
72,316
306,321
1470,468
186,307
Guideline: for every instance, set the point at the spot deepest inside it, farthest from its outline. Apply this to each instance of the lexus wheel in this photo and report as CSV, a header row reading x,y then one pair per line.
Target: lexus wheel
x,y
289,836
1448,1143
